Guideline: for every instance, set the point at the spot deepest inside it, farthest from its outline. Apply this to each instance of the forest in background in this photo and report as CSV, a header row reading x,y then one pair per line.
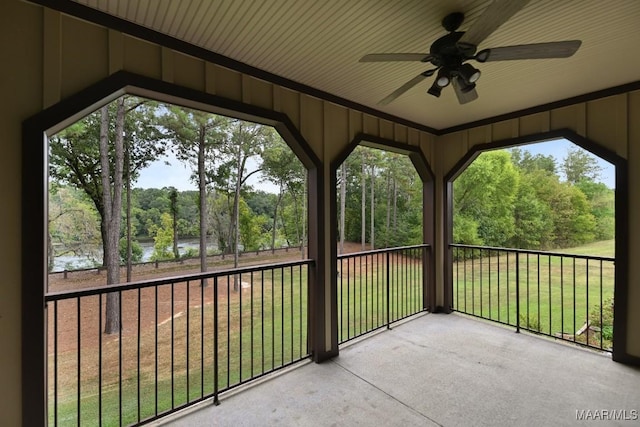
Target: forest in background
x,y
508,197
229,212
512,198
504,198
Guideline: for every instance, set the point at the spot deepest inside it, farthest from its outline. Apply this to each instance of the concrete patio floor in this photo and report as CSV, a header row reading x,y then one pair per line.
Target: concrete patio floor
x,y
447,370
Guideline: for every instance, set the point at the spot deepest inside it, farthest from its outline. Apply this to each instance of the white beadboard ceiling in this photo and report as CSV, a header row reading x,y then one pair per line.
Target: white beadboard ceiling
x,y
319,43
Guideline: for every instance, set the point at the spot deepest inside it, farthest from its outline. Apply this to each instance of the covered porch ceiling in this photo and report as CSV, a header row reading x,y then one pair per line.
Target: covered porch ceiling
x,y
317,46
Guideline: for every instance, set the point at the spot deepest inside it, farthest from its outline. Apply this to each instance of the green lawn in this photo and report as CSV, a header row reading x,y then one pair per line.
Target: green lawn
x,y
556,294
270,333
363,293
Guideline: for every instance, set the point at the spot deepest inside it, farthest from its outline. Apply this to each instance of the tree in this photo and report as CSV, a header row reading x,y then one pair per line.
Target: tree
x,y
74,227
245,140
130,251
162,238
485,192
573,223
465,230
602,202
527,162
251,228
343,202
261,202
173,197
395,202
281,167
220,219
402,185
372,179
577,226
363,199
89,155
112,201
533,219
74,157
195,136
580,165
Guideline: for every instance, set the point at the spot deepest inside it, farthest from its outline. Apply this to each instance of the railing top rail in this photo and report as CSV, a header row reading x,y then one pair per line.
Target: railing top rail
x,y
534,252
383,250
107,289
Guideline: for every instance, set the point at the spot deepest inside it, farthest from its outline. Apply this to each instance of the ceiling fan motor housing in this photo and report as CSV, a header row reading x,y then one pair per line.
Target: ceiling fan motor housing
x,y
447,52
449,55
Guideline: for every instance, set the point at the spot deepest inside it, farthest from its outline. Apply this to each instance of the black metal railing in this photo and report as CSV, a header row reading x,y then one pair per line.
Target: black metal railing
x,y
565,296
379,287
182,340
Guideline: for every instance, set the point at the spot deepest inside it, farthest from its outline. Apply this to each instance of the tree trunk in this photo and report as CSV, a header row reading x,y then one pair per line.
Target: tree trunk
x,y
343,196
129,251
50,252
386,239
202,191
112,197
176,252
363,184
373,234
173,198
275,221
304,218
284,230
296,215
395,206
230,231
236,215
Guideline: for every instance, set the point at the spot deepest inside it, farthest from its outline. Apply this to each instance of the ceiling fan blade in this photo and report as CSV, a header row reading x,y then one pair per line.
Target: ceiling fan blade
x,y
389,57
405,87
496,14
463,97
534,51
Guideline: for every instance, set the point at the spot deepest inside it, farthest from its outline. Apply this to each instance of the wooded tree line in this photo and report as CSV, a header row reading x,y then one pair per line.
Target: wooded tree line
x,y
504,198
513,198
74,223
379,200
101,157
508,198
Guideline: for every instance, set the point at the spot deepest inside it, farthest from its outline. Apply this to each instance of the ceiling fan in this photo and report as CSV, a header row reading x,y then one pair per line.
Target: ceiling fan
x,y
450,53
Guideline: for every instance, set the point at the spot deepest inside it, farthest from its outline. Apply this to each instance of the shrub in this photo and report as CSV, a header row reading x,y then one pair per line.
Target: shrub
x,y
530,323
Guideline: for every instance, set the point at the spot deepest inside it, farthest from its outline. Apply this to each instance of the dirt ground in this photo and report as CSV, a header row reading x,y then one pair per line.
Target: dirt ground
x,y
64,315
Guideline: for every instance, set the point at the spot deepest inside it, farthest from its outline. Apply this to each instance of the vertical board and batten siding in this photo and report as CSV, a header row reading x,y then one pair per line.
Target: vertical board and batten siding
x,y
21,48
633,157
79,54
612,122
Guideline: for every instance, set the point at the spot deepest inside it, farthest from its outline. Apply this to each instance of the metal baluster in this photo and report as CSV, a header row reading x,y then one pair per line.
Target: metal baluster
x,y
138,355
517,292
216,358
79,355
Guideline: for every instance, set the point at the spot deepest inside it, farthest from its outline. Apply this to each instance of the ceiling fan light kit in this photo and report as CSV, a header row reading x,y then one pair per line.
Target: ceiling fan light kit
x,y
443,78
450,53
469,73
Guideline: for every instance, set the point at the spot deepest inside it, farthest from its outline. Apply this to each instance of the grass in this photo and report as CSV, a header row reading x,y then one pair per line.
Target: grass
x,y
604,248
363,293
260,329
556,294
264,327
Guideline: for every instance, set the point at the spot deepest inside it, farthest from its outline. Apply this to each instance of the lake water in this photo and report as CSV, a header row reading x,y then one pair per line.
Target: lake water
x,y
72,262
